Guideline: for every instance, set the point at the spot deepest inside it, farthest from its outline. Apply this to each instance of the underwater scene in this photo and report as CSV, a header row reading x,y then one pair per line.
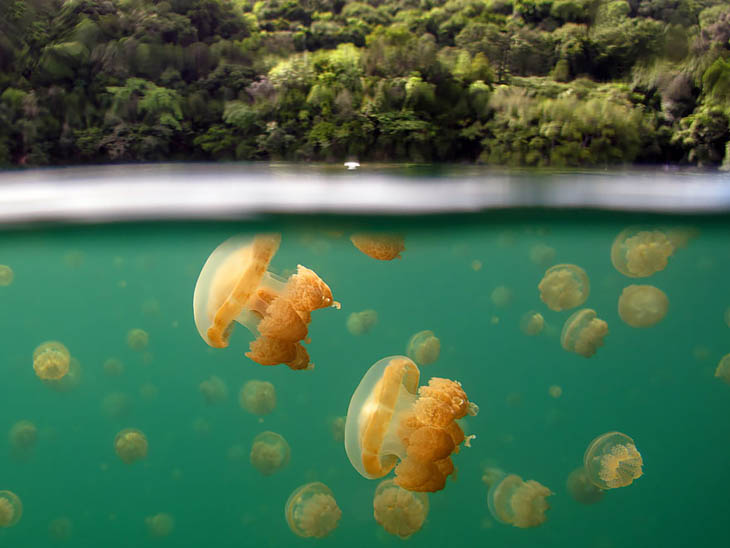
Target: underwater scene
x,y
521,378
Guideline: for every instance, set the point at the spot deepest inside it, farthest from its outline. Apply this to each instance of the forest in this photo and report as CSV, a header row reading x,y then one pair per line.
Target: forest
x,y
540,83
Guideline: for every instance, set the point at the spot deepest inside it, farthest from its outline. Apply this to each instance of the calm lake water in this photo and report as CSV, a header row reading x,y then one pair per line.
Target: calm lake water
x,y
88,286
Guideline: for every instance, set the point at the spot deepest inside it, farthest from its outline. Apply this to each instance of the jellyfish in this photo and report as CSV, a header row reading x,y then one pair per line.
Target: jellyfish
x,y
151,308
201,426
612,461
69,381
130,445
312,511
383,247
51,360
555,391
258,397
236,286
542,254
640,253
269,453
501,296
6,275
116,405
642,305
60,529
398,511
532,323
581,488
723,369
359,323
583,332
214,390
391,419
424,347
137,339
11,509
22,437
148,391
113,367
337,427
237,453
516,502
160,525
564,286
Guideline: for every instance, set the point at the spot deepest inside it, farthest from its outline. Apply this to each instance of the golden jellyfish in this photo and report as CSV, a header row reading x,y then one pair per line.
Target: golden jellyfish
x,y
638,253
214,390
138,339
69,381
337,427
312,511
269,453
642,305
130,445
60,529
612,461
501,296
391,419
516,502
542,254
424,347
723,369
23,437
581,488
398,511
383,247
359,323
11,509
116,405
564,286
258,397
113,367
160,525
235,286
555,391
583,332
532,323
6,275
51,360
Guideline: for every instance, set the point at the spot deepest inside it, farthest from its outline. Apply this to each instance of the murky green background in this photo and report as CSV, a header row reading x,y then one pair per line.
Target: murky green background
x,y
88,286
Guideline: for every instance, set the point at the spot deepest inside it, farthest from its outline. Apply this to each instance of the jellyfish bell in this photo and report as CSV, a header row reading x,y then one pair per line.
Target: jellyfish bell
x,y
379,246
723,369
311,511
337,428
258,397
69,381
51,360
642,305
612,460
235,286
399,511
113,367
581,488
138,339
424,347
23,437
160,525
532,323
6,275
583,333
359,323
516,502
638,252
501,296
269,453
214,390
390,419
564,286
130,445
11,509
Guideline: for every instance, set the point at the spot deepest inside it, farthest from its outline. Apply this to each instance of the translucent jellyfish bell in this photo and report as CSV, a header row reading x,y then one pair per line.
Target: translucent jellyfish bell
x,y
130,445
583,332
214,390
513,501
391,419
11,509
564,286
642,305
383,247
398,511
612,460
51,360
532,323
359,323
312,511
160,525
269,453
22,437
424,347
258,397
639,253
6,275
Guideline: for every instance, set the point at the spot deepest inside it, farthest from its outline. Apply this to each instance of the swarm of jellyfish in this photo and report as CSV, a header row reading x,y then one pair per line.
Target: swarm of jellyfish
x,y
639,253
383,247
612,461
312,511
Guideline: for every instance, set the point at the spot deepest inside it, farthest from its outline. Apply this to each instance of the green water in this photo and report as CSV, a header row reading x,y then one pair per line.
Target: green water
x,y
88,286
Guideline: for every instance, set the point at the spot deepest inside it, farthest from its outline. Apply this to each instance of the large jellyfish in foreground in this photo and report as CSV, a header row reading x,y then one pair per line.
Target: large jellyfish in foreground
x,y
612,460
236,286
130,445
258,397
398,511
424,347
581,488
312,511
383,247
51,360
391,419
514,501
564,286
11,509
723,369
642,305
583,332
269,453
640,253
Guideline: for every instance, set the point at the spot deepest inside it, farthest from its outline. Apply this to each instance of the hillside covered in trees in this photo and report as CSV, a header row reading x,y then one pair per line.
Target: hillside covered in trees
x,y
513,82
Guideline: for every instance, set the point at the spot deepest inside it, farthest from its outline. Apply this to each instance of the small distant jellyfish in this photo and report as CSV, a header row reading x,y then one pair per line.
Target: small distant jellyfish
x,y
137,339
581,488
237,453
359,323
113,367
542,254
269,453
51,360
424,347
555,391
311,511
501,296
564,286
130,445
383,247
6,275
642,305
258,397
11,509
151,307
583,332
723,369
612,461
516,502
532,323
337,427
22,437
60,529
214,390
398,511
476,265
201,426
160,525
116,405
69,381
148,391
640,253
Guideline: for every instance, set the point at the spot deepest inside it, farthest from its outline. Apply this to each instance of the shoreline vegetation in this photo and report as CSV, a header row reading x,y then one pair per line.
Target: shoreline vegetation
x,y
505,82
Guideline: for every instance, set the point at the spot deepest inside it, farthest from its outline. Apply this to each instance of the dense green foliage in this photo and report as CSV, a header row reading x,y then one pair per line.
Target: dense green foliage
x,y
516,82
